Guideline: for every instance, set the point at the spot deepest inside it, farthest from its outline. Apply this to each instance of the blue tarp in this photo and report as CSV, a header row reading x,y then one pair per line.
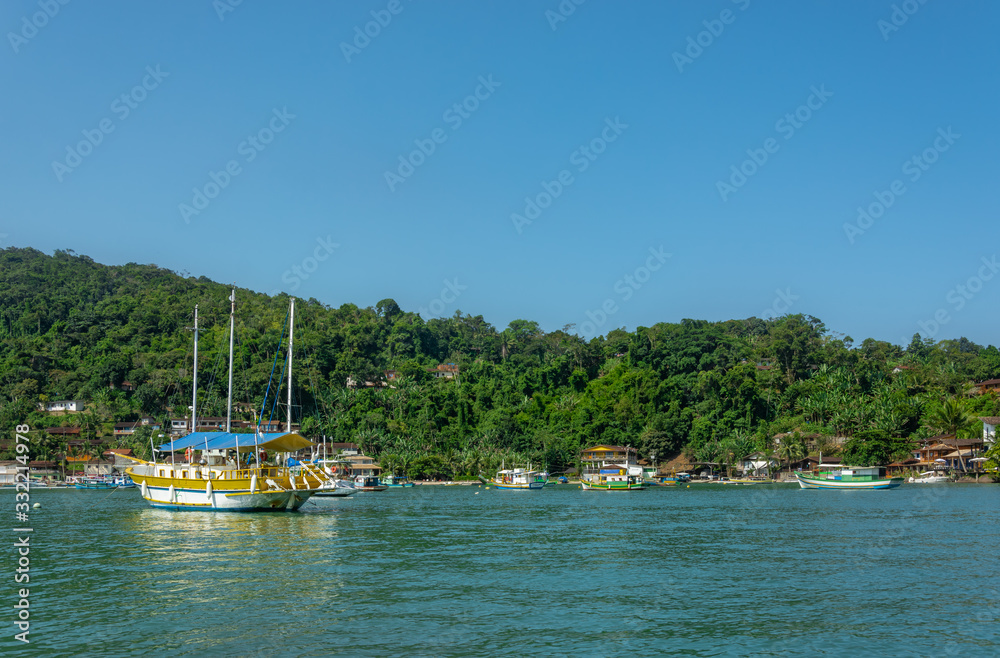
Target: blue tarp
x,y
284,441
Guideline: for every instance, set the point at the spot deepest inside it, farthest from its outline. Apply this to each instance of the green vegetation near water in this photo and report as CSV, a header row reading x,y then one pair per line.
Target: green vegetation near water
x,y
71,328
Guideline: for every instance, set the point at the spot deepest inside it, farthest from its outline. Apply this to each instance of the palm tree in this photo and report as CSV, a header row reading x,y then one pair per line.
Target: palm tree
x,y
708,453
950,417
790,450
506,343
741,447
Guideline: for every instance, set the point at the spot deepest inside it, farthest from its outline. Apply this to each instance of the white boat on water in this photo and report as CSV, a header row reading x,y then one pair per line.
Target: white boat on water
x,y
516,478
930,477
231,475
333,472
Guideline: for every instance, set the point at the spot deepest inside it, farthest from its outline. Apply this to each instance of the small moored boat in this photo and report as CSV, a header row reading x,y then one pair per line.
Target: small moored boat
x,y
516,478
613,478
931,477
104,482
397,482
848,478
368,483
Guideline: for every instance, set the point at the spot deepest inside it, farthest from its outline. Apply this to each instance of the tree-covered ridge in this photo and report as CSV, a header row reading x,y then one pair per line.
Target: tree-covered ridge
x,y
71,328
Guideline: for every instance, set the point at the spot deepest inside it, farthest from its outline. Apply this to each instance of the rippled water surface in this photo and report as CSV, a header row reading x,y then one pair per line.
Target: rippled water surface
x,y
707,571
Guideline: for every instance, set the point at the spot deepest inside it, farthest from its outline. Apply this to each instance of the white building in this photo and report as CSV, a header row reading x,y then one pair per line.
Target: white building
x,y
759,464
61,405
8,472
990,428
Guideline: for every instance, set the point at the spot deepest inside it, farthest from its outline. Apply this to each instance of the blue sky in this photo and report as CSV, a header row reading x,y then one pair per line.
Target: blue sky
x,y
580,164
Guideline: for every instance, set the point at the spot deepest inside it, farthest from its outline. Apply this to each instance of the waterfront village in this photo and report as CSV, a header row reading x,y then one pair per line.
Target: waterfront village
x,y
77,452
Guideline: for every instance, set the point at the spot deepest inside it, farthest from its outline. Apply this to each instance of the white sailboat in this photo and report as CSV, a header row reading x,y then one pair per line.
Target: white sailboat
x,y
221,482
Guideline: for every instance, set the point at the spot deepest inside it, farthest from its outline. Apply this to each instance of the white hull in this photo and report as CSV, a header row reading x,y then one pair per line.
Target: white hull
x,y
519,485
634,486
228,501
335,490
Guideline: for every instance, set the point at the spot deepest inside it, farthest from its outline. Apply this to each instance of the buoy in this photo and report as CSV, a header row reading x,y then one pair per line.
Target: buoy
x,y
253,483
145,490
172,494
208,490
37,505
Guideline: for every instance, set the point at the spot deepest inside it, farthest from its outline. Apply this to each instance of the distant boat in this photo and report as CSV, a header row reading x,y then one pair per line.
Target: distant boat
x,y
332,485
335,489
613,479
517,478
368,483
397,482
930,477
749,480
611,468
848,478
103,482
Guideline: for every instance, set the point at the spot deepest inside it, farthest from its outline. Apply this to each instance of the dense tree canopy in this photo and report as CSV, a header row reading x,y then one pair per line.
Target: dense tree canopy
x,y
119,338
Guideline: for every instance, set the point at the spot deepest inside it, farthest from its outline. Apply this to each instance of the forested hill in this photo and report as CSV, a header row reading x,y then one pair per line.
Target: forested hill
x,y
119,338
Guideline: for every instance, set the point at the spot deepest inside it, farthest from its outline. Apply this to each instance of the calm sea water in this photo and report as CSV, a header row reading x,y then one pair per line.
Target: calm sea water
x,y
702,571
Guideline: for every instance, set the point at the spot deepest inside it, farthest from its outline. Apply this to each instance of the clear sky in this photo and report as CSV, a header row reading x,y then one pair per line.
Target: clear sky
x,y
560,162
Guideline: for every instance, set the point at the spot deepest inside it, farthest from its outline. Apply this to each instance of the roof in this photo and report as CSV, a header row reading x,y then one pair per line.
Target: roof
x,y
989,382
939,446
951,444
118,451
603,447
62,430
275,441
990,420
342,446
826,460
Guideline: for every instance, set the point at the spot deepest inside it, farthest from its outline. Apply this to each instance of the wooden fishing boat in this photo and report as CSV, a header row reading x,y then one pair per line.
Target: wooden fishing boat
x,y
613,479
516,478
848,478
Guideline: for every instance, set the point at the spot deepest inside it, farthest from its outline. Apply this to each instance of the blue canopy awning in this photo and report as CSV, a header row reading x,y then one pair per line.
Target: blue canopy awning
x,y
276,441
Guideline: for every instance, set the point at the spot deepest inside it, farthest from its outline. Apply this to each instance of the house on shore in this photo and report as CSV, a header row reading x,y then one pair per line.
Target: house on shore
x,y
362,465
946,452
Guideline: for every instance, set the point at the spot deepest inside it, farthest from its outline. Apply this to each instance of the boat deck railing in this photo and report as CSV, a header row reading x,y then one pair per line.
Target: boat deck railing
x,y
200,472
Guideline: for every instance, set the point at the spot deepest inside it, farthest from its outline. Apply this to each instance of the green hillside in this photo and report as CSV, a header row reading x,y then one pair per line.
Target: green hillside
x,y
71,328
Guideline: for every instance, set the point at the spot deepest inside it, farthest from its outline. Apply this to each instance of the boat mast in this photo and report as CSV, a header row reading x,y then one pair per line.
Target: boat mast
x,y
291,334
194,389
232,326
